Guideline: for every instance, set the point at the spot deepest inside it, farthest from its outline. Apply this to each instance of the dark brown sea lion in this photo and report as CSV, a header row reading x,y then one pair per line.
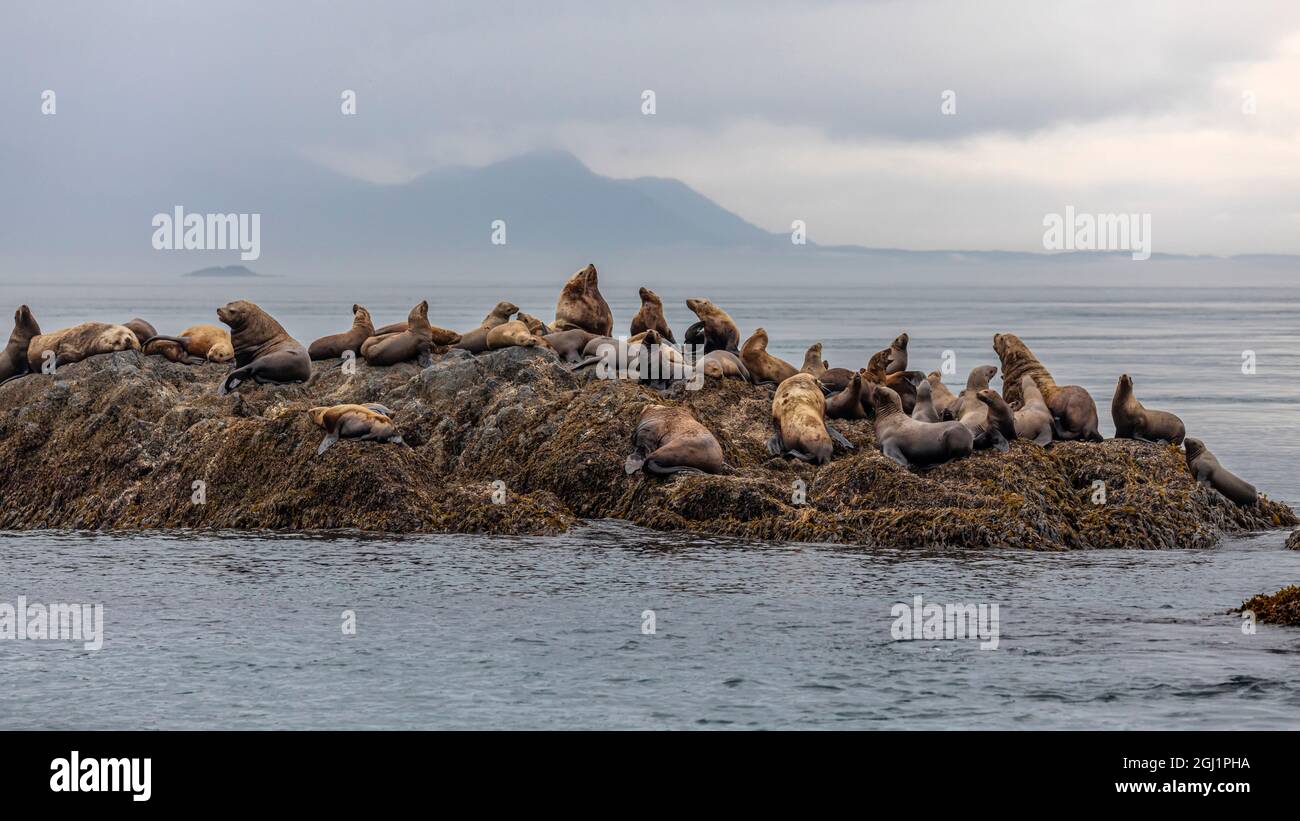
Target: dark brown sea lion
x,y
1034,419
364,422
764,367
1000,415
142,330
1133,421
719,330
943,399
194,345
670,440
1074,414
418,342
1205,468
333,346
813,362
721,364
898,354
799,417
264,351
651,315
837,379
78,342
570,344
13,359
902,383
847,404
535,326
475,341
581,306
911,443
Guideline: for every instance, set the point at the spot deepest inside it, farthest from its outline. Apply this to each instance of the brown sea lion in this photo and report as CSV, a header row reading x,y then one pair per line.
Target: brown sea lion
x,y
764,367
194,345
717,329
570,344
943,399
670,440
1074,414
581,306
1205,468
142,330
836,379
78,342
721,364
847,404
911,443
902,383
264,351
475,341
977,381
333,346
799,417
999,414
974,414
651,315
1133,421
1033,419
514,333
536,327
898,354
924,410
364,422
418,342
813,362
13,359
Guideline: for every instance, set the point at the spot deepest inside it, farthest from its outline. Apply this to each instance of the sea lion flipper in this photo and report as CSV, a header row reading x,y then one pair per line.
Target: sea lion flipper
x,y
330,439
999,441
1044,437
425,359
893,451
378,408
774,446
838,438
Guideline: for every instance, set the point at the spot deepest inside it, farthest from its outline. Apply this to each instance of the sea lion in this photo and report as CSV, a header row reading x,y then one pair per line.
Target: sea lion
x,y
836,379
1033,420
142,330
847,404
721,364
813,362
974,414
79,342
646,357
902,383
569,344
911,443
799,417
364,422
924,410
764,367
13,359
581,306
418,342
264,351
943,399
651,315
1074,414
333,346
194,345
513,333
977,381
475,341
999,414
536,327
670,440
898,354
1205,468
1133,421
719,330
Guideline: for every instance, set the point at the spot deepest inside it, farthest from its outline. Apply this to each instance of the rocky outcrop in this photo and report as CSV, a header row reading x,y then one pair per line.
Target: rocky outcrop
x,y
1282,607
120,440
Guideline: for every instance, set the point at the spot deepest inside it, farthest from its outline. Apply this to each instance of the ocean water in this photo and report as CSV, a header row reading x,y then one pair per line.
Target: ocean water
x,y
245,630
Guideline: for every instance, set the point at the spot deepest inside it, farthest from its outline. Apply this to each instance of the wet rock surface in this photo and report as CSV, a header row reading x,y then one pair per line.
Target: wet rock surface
x,y
119,441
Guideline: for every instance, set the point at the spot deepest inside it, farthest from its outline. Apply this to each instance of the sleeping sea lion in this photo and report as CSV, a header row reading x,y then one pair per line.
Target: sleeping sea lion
x,y
1205,468
514,333
1033,420
1074,414
79,342
264,351
194,345
721,364
670,440
651,315
764,367
142,330
718,330
570,344
13,359
581,306
1133,421
333,346
364,422
911,443
418,342
799,417
475,341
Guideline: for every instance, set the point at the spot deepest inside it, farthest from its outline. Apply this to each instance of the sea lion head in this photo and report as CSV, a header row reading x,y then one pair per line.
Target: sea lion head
x,y
1006,344
119,338
239,314
923,391
650,296
759,337
318,415
981,375
1194,448
900,341
700,307
25,324
988,396
1125,382
223,351
882,398
536,327
503,310
360,316
419,315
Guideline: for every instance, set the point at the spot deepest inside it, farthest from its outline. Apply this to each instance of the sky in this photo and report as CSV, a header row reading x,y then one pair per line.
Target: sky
x,y
830,113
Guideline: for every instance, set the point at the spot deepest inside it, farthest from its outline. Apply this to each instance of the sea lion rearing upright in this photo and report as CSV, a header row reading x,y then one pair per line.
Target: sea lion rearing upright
x,y
813,362
1205,468
581,306
719,330
475,341
670,440
264,351
1133,421
334,345
13,359
418,342
651,316
1074,414
764,367
898,354
74,344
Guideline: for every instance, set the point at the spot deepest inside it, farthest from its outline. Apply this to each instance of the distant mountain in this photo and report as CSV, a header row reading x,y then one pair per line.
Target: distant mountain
x,y
224,271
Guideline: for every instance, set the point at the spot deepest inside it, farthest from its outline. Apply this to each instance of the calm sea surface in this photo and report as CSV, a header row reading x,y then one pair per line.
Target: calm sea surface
x,y
244,631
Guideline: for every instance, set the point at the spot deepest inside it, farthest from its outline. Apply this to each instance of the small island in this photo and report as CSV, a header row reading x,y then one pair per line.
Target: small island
x,y
225,271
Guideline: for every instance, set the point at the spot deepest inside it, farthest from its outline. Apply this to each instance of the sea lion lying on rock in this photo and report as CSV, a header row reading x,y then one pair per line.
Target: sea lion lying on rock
x,y
723,364
651,316
581,306
570,344
74,344
799,417
670,440
716,330
1133,421
142,330
911,443
194,345
1074,414
764,367
264,351
1205,468
13,359
418,342
836,379
334,345
514,333
365,422
475,341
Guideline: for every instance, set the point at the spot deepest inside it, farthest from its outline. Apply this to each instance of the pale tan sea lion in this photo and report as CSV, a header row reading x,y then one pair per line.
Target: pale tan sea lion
x,y
670,440
74,344
194,345
716,330
813,362
363,422
799,419
475,341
